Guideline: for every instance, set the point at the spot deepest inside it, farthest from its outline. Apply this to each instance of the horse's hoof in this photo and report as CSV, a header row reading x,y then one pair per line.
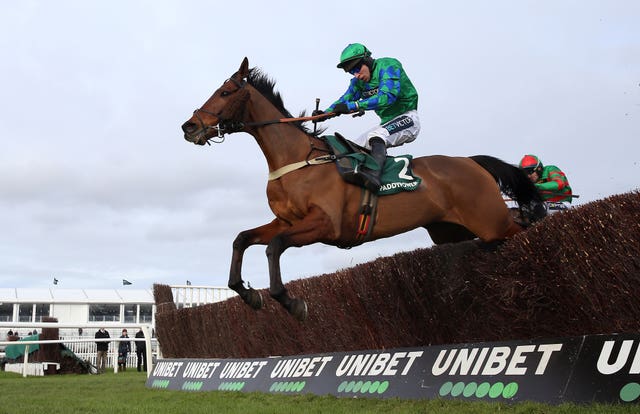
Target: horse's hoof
x,y
254,299
298,309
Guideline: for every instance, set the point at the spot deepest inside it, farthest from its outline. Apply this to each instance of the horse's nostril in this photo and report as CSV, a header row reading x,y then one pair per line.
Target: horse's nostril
x,y
188,127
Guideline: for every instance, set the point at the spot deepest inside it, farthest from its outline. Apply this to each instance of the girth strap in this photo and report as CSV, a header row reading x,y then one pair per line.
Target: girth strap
x,y
274,175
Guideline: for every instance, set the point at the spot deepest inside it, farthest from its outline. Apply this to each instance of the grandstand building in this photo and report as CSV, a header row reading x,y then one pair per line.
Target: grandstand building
x,y
93,306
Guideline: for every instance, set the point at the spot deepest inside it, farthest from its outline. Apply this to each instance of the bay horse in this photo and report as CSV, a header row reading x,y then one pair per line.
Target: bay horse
x,y
458,199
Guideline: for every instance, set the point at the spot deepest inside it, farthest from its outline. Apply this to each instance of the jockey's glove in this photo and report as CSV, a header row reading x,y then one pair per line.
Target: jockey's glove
x,y
341,108
317,112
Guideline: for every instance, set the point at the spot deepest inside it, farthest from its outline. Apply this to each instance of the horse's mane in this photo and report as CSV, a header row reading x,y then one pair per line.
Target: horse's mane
x,y
266,86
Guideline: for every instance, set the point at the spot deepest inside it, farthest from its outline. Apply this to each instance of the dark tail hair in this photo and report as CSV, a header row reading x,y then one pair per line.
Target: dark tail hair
x,y
512,180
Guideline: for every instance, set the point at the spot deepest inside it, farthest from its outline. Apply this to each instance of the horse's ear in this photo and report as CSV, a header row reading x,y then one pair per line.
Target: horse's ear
x,y
244,68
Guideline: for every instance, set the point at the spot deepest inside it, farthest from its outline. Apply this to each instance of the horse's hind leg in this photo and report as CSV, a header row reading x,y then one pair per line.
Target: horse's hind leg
x,y
443,232
258,235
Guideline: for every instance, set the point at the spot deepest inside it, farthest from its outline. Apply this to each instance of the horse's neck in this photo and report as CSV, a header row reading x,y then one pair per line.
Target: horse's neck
x,y
281,143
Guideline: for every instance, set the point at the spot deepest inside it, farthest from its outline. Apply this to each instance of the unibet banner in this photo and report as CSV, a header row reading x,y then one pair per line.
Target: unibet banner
x,y
602,368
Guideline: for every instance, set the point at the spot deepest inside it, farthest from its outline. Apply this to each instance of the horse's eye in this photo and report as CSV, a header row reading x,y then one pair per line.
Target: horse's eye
x,y
225,93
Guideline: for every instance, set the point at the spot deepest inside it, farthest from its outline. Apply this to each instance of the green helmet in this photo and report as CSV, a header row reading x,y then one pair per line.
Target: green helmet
x,y
351,55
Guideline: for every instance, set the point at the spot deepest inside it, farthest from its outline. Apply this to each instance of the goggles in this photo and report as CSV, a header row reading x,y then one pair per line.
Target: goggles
x,y
356,68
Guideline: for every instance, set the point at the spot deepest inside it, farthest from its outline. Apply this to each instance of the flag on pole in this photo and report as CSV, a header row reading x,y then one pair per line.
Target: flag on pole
x,y
125,282
55,281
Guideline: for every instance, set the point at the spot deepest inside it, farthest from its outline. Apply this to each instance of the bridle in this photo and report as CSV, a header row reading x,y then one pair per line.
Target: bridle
x,y
224,126
231,125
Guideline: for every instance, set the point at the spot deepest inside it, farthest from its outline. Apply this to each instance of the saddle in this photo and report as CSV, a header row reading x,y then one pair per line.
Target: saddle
x,y
351,158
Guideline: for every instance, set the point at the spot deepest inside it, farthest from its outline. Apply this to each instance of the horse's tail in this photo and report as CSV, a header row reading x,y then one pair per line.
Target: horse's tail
x,y
512,180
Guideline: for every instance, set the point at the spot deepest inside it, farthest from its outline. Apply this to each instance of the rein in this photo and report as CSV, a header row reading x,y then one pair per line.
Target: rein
x,y
286,120
229,126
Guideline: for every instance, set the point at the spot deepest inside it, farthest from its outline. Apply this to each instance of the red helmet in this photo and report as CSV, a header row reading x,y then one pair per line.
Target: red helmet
x,y
530,163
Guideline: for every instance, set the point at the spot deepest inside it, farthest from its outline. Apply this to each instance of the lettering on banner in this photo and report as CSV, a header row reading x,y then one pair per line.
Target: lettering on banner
x,y
493,360
242,369
300,367
200,369
387,364
606,368
167,369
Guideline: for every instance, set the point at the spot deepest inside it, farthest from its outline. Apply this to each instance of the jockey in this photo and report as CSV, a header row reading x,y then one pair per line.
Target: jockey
x,y
550,181
383,86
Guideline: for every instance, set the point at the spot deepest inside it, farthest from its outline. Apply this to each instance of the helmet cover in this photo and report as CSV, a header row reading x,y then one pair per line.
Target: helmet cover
x,y
351,55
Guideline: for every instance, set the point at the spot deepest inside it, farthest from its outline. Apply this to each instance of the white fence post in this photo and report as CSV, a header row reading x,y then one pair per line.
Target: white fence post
x,y
114,357
26,361
147,343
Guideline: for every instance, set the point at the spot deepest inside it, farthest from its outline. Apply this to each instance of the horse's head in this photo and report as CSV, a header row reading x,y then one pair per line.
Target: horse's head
x,y
223,112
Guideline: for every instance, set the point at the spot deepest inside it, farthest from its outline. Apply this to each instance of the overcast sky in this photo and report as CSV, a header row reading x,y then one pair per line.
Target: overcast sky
x,y
97,183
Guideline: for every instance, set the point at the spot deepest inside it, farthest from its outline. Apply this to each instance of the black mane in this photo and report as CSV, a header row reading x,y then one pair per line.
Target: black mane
x,y
266,86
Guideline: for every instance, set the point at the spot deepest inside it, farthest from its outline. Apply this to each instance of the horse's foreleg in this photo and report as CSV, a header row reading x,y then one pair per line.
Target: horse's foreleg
x,y
258,235
315,227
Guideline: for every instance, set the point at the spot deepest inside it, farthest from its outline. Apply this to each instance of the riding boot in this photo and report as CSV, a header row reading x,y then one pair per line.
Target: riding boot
x,y
371,177
532,212
539,211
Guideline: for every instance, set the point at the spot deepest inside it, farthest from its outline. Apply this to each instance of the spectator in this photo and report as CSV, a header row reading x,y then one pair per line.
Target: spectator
x,y
124,347
141,351
103,348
